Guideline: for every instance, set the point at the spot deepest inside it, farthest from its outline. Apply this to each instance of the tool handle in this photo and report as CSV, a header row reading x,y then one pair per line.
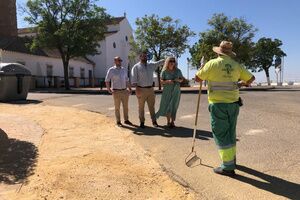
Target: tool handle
x,y
198,103
196,118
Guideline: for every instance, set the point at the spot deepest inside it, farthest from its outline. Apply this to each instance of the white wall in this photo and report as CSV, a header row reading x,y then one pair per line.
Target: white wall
x,y
100,60
125,30
113,27
111,51
38,64
105,60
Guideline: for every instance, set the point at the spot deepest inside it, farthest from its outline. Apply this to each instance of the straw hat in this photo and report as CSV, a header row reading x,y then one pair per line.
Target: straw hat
x,y
225,48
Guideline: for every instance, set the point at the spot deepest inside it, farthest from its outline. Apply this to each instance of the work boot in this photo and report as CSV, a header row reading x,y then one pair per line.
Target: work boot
x,y
221,171
142,125
128,122
155,124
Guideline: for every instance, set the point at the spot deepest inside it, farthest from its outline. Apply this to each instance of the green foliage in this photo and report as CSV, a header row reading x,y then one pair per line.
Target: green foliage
x,y
162,36
135,49
236,30
74,27
264,54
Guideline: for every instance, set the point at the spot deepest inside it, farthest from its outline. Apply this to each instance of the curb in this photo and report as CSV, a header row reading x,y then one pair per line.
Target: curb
x,y
183,91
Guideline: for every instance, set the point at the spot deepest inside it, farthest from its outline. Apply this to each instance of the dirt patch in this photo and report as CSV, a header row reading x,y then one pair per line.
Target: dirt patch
x,y
82,155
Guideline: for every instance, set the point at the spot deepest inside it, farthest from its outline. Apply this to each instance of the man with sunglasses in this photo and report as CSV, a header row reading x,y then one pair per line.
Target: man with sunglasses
x,y
142,79
117,84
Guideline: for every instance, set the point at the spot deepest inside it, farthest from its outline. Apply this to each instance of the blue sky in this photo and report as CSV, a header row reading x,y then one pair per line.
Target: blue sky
x,y
273,18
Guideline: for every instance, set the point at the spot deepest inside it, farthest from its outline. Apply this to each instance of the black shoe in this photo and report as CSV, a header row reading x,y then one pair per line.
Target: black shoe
x,y
155,124
128,122
119,124
172,125
142,125
224,172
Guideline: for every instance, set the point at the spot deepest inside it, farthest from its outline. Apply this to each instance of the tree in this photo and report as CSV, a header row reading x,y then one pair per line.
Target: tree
x,y
73,27
236,30
161,37
265,52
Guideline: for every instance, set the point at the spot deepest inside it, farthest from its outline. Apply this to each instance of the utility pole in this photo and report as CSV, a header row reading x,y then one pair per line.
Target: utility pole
x,y
188,68
282,68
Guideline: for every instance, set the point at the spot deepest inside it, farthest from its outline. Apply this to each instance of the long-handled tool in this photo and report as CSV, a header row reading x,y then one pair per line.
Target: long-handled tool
x,y
192,157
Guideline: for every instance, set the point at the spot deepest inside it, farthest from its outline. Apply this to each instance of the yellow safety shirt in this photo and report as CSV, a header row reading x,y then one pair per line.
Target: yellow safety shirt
x,y
223,74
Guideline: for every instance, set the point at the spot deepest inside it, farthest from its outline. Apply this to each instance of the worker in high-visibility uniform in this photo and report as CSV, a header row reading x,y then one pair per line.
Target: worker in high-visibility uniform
x,y
223,75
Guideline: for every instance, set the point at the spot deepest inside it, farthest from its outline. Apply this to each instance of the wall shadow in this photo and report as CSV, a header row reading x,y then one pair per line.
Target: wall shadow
x,y
164,131
273,184
17,159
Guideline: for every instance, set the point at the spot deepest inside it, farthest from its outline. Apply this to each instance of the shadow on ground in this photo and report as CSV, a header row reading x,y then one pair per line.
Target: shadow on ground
x,y
164,131
271,90
271,184
17,159
24,102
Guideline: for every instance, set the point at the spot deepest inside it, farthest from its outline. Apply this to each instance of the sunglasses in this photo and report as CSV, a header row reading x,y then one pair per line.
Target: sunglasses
x,y
172,61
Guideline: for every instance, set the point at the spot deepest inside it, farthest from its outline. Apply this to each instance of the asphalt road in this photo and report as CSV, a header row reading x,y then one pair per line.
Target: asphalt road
x,y
268,147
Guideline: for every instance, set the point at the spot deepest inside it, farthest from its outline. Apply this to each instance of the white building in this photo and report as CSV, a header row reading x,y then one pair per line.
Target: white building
x,y
46,66
115,43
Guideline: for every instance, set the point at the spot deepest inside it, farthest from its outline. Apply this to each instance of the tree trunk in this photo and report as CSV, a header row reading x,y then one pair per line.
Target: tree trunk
x,y
158,72
158,78
66,74
268,76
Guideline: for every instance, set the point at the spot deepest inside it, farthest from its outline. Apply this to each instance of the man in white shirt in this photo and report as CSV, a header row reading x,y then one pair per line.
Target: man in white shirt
x,y
142,79
120,89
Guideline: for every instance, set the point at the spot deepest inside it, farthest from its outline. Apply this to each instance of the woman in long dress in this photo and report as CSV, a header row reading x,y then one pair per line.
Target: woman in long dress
x,y
171,77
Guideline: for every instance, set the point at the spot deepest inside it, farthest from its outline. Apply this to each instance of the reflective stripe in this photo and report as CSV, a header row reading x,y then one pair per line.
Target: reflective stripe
x,y
223,86
232,162
226,146
227,155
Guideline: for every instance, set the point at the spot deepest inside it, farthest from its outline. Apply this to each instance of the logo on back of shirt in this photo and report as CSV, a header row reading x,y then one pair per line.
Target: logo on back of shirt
x,y
228,69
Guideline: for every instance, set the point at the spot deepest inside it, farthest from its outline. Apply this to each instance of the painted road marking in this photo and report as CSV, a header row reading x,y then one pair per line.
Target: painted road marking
x,y
187,116
79,105
255,131
111,108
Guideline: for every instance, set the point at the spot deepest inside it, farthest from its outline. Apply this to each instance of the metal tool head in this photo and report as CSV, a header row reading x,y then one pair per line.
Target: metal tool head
x,y
192,160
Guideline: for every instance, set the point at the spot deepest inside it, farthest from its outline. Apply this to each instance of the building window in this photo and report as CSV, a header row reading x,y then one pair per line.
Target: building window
x,y
82,73
71,72
126,38
49,70
114,45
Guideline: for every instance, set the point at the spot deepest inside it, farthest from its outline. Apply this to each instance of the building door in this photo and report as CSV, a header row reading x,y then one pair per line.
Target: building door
x,y
49,73
90,78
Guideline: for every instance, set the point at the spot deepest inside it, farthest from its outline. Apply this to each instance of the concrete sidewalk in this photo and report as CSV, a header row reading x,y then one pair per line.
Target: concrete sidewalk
x,y
65,153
